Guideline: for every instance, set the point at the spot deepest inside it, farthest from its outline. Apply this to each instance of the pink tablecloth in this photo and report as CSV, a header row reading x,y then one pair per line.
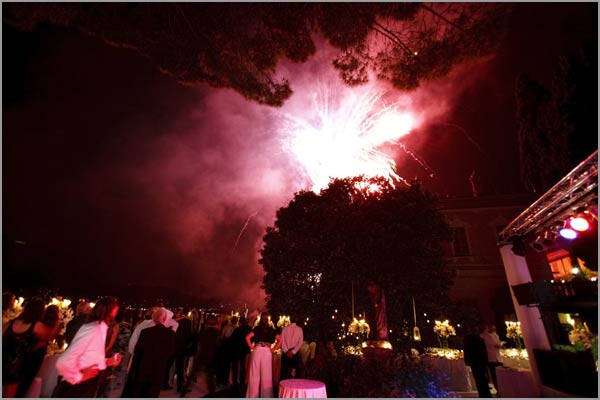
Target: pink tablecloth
x,y
516,383
302,389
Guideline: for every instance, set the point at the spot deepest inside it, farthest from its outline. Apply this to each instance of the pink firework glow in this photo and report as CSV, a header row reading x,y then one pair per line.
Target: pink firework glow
x,y
343,132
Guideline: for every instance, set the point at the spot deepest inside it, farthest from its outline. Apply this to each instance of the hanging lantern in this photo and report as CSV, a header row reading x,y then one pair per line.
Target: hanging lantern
x,y
416,334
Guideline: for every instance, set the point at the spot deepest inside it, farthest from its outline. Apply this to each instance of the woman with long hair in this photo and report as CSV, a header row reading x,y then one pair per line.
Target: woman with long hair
x,y
8,302
35,356
80,365
263,342
17,340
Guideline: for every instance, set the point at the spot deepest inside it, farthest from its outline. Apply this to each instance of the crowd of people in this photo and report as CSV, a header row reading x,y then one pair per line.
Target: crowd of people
x,y
114,351
107,350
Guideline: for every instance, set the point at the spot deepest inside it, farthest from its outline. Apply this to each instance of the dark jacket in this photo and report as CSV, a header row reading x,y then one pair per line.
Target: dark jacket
x,y
73,326
208,343
149,365
184,343
475,351
238,340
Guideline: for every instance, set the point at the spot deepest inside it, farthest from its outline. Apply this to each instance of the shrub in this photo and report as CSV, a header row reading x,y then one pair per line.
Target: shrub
x,y
401,376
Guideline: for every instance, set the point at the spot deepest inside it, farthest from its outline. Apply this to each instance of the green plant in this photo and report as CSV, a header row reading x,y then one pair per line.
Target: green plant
x,y
579,346
400,376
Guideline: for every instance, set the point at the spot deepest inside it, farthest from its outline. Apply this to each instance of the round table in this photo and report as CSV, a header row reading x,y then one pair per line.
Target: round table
x,y
516,363
458,376
302,389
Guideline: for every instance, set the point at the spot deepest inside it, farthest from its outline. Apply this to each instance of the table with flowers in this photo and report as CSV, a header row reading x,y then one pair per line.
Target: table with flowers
x,y
451,363
515,358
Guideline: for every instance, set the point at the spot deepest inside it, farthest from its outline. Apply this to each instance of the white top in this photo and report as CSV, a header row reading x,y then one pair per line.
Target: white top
x,y
86,350
493,345
148,323
292,338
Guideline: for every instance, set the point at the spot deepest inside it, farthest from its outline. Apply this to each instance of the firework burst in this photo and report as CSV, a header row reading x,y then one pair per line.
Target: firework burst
x,y
342,133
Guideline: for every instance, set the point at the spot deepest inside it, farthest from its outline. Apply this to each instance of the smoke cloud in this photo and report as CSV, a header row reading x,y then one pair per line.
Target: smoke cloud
x,y
158,184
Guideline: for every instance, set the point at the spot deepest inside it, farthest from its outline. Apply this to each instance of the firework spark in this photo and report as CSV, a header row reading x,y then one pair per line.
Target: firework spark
x,y
342,136
242,230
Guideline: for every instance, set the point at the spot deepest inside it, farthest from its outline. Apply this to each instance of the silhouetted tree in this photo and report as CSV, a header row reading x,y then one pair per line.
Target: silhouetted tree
x,y
557,125
238,45
323,243
532,100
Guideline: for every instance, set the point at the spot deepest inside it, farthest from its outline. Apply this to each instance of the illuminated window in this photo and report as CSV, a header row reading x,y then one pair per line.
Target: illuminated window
x,y
460,244
560,263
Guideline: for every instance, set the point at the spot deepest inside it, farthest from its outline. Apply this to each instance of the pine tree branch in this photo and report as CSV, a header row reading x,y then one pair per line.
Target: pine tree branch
x,y
431,10
377,27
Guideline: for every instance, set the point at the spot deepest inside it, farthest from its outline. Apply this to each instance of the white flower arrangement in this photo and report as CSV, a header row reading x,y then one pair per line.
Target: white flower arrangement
x,y
451,354
514,354
359,327
353,350
513,330
257,321
581,335
14,311
284,321
65,313
443,329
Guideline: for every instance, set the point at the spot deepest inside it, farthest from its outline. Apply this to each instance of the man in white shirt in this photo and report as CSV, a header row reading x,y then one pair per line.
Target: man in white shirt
x,y
80,365
292,338
493,346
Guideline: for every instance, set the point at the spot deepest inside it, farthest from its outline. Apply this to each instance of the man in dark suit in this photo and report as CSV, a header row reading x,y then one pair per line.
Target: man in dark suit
x,y
152,351
184,348
476,358
208,343
82,311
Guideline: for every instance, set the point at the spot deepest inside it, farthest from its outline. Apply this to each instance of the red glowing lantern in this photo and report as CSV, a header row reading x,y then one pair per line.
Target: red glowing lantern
x,y
580,224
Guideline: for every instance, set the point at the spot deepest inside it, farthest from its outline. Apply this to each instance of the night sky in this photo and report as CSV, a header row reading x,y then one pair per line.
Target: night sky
x,y
114,174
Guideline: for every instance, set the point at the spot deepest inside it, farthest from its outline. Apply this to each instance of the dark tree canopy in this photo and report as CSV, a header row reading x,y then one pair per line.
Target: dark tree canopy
x,y
238,45
557,125
322,244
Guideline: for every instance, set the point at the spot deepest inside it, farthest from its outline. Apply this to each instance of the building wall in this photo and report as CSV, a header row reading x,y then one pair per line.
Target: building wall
x,y
479,276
